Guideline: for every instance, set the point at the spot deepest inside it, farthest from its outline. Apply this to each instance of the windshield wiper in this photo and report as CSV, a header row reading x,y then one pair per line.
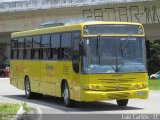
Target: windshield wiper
x,y
123,46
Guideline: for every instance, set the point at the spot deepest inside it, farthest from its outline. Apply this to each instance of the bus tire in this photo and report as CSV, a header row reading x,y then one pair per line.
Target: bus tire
x,y
66,96
28,92
122,102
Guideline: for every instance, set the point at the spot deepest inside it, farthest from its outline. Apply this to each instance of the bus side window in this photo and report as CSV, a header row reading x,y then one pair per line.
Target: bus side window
x,y
66,46
76,35
45,45
20,48
75,57
54,53
14,49
36,47
28,48
55,46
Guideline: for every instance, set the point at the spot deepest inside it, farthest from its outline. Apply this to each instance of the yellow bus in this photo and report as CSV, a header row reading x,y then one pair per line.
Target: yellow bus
x,y
81,61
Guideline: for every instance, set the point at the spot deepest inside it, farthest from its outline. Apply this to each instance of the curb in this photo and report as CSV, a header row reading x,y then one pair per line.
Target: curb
x,y
19,113
35,114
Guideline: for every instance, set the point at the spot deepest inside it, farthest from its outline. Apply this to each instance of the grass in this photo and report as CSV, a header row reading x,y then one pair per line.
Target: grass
x,y
8,110
154,84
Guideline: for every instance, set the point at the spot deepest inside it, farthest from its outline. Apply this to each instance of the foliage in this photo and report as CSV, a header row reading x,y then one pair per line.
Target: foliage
x,y
154,84
154,56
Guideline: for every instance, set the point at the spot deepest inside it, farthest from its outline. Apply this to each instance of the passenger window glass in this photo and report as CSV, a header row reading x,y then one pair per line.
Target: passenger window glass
x,y
45,53
76,39
76,44
21,43
54,53
14,53
36,42
76,34
20,53
45,41
28,42
13,43
35,53
66,40
67,53
27,54
55,41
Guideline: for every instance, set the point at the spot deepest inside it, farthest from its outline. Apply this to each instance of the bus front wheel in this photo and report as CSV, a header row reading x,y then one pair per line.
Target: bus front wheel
x,y
66,96
122,102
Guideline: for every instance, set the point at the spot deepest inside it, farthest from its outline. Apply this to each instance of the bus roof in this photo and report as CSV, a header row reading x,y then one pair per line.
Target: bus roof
x,y
65,28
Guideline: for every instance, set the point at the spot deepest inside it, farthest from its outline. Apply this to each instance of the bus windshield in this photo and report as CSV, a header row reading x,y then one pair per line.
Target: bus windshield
x,y
114,54
113,29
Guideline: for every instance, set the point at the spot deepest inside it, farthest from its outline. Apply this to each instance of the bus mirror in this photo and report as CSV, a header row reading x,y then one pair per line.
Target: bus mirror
x,y
75,62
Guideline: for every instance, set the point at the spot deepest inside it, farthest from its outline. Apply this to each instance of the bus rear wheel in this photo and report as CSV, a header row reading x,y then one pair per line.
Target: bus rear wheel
x,y
66,96
28,92
122,102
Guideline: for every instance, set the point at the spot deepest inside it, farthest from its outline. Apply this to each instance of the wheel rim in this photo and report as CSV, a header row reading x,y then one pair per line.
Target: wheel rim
x,y
66,94
27,87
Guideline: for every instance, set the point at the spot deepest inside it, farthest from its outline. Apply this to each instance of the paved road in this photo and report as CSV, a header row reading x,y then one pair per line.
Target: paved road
x,y
52,105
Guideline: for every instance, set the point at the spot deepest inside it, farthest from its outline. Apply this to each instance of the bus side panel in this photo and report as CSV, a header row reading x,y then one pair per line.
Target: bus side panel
x,y
20,74
13,73
32,69
65,73
49,76
17,74
76,86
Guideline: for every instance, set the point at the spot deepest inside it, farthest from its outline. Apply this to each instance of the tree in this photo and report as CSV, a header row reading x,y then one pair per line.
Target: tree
x,y
154,56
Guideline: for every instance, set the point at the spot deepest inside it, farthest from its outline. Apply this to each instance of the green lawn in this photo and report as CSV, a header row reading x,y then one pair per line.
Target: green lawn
x,y
154,84
8,110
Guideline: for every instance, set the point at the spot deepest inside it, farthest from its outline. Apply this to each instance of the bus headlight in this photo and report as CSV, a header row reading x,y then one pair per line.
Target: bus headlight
x,y
90,87
136,86
85,87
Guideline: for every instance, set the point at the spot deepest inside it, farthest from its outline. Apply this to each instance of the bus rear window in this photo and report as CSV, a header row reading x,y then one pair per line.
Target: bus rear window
x,y
113,29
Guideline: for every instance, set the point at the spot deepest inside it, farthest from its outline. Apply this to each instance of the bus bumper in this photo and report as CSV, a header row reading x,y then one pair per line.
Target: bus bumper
x,y
114,95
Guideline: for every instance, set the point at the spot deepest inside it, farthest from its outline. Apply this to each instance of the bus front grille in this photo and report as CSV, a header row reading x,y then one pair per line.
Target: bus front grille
x,y
108,80
124,80
117,87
